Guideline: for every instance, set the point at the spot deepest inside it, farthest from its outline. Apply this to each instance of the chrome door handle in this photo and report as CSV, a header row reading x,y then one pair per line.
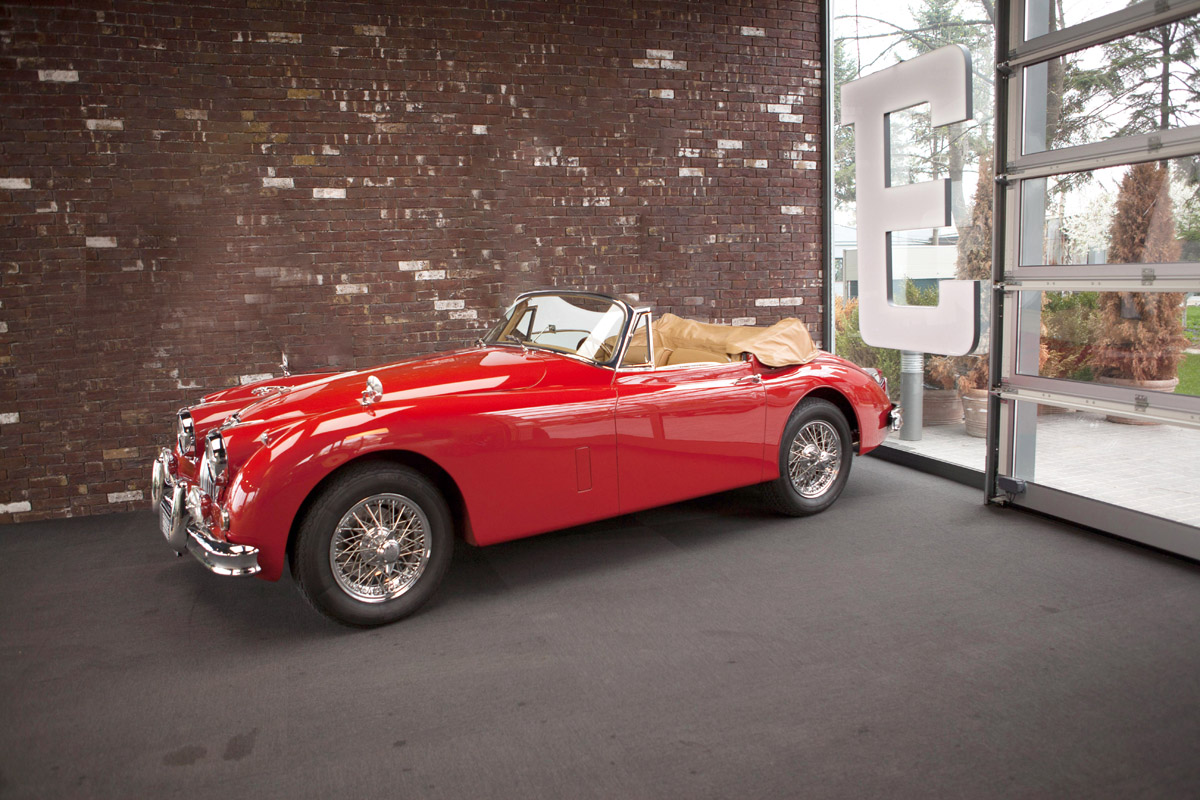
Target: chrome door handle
x,y
749,380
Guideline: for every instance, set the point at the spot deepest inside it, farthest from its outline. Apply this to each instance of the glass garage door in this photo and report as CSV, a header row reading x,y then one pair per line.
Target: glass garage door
x,y
1094,412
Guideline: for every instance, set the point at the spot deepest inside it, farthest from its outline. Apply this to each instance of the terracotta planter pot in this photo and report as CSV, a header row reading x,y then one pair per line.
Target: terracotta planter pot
x,y
1152,386
941,407
975,404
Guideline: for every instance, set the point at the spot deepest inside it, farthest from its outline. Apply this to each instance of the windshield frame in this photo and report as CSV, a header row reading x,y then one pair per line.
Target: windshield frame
x,y
492,337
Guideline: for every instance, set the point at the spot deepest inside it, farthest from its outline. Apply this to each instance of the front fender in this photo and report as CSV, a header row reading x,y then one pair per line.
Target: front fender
x,y
272,484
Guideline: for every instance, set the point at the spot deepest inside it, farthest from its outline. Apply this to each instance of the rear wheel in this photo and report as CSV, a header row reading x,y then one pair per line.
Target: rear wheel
x,y
374,545
814,459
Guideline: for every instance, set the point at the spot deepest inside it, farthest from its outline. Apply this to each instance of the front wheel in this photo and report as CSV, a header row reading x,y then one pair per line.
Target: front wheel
x,y
374,545
814,459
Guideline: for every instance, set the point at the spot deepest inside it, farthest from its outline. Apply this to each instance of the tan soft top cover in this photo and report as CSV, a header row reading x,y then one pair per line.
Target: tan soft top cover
x,y
784,343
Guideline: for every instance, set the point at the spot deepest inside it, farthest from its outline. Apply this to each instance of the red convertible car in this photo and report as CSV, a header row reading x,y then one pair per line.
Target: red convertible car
x,y
575,407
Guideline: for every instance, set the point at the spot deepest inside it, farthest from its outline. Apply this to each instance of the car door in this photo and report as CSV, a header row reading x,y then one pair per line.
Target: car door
x,y
687,430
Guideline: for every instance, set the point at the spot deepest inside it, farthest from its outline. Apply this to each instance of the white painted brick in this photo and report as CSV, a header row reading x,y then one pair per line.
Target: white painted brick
x,y
691,172
321,193
430,275
756,163
3,327
779,108
448,305
688,152
412,266
599,202
47,208
100,241
668,54
254,377
479,130
191,113
674,64
124,497
11,418
330,151
281,37
663,94
646,63
15,183
794,118
748,31
105,125
278,183
729,144
15,508
468,314
370,30
744,321
58,75
766,302
352,288
772,302
793,210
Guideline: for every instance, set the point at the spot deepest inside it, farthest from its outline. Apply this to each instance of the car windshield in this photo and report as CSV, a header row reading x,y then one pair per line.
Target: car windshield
x,y
584,325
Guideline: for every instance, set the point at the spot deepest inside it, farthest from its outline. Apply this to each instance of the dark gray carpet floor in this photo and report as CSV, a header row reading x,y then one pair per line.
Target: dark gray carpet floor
x,y
910,642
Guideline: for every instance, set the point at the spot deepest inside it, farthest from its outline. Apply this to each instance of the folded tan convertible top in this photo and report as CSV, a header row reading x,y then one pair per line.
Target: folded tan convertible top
x,y
784,343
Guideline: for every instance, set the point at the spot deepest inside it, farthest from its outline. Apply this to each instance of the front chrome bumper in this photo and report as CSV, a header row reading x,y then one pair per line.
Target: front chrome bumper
x,y
185,529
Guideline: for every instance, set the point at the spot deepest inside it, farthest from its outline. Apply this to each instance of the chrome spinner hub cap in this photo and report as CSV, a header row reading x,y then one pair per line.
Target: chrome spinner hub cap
x,y
814,458
380,548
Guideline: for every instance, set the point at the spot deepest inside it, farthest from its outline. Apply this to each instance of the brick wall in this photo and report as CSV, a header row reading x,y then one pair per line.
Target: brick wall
x,y
188,189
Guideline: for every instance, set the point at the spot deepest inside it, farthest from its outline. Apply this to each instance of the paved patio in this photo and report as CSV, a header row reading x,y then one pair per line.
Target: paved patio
x,y
1146,468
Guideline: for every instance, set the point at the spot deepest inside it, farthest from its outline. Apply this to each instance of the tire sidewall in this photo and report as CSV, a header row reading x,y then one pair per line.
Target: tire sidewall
x,y
808,411
312,568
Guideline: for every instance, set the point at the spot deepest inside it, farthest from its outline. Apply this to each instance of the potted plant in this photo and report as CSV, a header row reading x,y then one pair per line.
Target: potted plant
x,y
1141,341
849,344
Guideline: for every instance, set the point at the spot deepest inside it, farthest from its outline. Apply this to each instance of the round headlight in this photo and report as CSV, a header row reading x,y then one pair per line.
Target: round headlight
x,y
214,455
185,433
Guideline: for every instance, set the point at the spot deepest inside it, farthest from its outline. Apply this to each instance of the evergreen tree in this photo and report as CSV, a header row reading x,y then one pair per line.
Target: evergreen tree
x,y
1142,332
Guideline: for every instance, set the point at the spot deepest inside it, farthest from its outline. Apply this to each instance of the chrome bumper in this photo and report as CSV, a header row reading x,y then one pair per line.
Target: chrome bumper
x,y
185,530
895,418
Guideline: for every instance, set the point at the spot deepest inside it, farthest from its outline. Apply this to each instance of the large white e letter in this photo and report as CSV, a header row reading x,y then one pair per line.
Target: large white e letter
x,y
943,79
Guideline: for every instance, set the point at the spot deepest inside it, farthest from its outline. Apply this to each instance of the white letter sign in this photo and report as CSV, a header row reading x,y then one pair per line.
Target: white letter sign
x,y
942,79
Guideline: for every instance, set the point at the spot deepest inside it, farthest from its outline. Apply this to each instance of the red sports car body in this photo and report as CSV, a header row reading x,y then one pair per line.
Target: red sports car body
x,y
566,413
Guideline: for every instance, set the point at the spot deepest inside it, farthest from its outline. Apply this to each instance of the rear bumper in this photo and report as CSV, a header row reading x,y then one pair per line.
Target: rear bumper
x,y
895,419
182,523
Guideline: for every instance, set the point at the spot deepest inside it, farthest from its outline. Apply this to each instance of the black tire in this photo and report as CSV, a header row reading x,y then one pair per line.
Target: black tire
x,y
810,483
384,569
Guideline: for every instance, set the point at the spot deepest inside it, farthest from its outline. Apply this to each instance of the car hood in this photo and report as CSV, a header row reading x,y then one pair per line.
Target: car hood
x,y
485,369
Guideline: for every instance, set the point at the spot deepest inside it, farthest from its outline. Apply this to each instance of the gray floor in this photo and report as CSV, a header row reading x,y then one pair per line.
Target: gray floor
x,y
908,643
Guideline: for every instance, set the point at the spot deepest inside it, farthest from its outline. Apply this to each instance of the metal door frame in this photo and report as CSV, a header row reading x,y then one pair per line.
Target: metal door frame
x,y
1014,397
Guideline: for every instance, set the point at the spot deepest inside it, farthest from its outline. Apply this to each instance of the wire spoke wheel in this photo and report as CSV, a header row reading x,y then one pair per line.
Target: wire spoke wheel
x,y
814,458
380,548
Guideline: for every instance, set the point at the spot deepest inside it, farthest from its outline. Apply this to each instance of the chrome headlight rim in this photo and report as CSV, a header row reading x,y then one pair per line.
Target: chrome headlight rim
x,y
185,433
216,460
